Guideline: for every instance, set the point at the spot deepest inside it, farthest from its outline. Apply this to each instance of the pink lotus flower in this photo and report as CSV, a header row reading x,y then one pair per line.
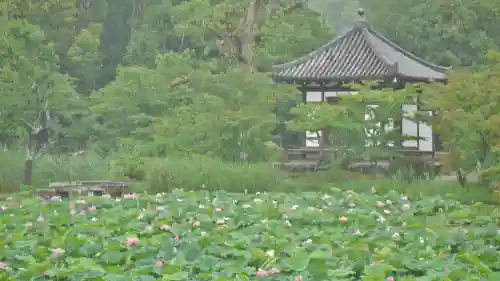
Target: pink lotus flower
x,y
357,233
261,273
57,253
158,264
266,273
343,220
299,278
132,241
380,204
389,278
165,227
130,196
3,265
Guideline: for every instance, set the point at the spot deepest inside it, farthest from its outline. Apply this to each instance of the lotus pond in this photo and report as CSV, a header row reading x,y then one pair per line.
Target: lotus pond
x,y
339,235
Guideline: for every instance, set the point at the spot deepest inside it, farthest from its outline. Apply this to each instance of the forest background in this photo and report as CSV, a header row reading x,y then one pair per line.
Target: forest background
x,y
174,91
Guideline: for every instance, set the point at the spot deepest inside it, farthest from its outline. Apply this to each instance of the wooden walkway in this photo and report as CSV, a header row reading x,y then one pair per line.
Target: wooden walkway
x,y
86,188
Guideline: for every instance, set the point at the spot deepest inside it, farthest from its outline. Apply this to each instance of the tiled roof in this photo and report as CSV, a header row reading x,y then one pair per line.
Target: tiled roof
x,y
360,54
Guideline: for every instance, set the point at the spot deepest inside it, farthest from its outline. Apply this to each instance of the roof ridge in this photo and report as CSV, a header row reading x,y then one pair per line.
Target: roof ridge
x,y
318,50
403,51
388,64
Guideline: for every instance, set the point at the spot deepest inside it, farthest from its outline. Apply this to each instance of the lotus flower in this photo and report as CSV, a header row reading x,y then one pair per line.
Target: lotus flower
x,y
357,233
396,236
130,196
165,227
270,253
57,253
132,241
4,265
343,220
266,273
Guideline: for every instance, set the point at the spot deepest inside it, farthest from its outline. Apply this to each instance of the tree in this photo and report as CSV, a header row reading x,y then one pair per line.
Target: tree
x,y
252,32
114,38
467,119
34,93
359,127
444,32
223,114
84,60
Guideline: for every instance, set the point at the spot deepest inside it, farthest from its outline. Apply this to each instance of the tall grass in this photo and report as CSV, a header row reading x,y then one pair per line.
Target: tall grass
x,y
416,189
201,172
49,168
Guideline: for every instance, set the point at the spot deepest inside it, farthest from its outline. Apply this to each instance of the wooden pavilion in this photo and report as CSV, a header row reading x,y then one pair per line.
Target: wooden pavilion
x,y
361,54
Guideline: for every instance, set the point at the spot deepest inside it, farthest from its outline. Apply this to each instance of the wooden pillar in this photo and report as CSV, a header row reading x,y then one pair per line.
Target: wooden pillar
x,y
418,122
397,84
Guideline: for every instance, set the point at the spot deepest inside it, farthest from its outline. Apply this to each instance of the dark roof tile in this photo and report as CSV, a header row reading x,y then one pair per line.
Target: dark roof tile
x,y
361,53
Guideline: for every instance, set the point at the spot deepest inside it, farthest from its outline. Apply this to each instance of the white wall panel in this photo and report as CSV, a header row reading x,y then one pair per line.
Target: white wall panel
x,y
312,139
409,128
425,131
313,96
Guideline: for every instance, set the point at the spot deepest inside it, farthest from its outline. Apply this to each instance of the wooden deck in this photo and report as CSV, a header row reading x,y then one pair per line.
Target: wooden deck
x,y
87,188
312,159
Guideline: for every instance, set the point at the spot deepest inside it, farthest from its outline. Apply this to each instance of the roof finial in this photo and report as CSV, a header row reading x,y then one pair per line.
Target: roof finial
x,y
361,12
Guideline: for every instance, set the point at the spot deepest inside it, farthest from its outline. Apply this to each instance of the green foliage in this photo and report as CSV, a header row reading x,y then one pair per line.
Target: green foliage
x,y
114,38
467,118
218,235
30,81
198,172
221,114
192,80
84,57
445,32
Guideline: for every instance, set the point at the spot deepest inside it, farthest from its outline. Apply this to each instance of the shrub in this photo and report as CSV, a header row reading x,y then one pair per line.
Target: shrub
x,y
196,172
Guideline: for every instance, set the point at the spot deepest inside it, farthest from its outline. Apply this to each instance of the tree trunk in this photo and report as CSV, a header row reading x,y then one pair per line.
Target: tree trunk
x,y
248,38
461,177
28,167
